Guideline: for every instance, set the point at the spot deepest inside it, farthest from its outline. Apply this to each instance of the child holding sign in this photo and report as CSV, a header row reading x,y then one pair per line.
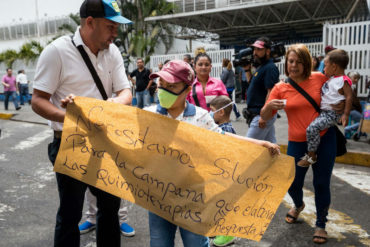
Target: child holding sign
x,y
174,84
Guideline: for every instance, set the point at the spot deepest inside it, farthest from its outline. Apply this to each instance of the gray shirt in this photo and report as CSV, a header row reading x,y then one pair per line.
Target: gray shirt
x,y
228,78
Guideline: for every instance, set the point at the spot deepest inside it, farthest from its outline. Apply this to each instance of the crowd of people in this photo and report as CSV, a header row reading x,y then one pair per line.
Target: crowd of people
x,y
184,90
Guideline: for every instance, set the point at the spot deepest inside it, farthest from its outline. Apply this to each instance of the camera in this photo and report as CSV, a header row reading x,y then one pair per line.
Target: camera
x,y
277,51
245,56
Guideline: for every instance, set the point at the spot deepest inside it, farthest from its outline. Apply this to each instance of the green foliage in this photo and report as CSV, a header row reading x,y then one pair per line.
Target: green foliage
x,y
140,38
30,51
8,57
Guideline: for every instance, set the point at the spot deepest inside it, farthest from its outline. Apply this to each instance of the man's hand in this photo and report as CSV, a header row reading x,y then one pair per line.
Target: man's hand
x,y
67,100
261,123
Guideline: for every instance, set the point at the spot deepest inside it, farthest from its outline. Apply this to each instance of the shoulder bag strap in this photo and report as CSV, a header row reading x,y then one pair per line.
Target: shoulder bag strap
x,y
89,65
304,93
195,97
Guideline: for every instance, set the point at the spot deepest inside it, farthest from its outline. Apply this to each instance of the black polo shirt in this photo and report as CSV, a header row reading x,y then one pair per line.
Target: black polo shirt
x,y
265,77
142,79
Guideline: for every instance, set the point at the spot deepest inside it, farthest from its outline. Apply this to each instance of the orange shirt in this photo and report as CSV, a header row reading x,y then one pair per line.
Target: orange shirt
x,y
299,110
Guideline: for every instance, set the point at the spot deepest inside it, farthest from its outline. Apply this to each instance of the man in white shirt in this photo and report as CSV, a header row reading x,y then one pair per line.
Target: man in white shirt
x,y
61,72
23,86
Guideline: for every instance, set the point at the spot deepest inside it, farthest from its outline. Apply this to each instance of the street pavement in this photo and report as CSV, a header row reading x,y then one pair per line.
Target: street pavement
x,y
29,197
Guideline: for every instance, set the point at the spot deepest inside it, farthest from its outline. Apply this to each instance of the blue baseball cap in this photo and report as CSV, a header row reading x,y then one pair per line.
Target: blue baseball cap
x,y
107,9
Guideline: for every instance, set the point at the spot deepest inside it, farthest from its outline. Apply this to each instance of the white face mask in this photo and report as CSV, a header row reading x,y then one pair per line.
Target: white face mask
x,y
212,113
354,86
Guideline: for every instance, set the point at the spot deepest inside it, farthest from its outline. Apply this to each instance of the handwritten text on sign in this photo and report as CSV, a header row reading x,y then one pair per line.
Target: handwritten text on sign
x,y
205,182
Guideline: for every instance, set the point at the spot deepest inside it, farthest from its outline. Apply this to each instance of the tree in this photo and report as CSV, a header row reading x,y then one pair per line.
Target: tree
x,y
9,57
140,38
30,51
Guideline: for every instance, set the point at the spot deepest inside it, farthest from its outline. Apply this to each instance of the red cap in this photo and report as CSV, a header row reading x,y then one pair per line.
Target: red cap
x,y
176,71
259,44
329,48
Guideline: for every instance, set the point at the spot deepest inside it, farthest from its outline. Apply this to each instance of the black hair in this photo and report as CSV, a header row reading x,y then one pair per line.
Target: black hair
x,y
339,57
317,63
202,55
267,42
187,56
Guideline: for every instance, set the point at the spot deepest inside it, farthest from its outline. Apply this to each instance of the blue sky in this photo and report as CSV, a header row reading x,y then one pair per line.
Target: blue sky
x,y
16,10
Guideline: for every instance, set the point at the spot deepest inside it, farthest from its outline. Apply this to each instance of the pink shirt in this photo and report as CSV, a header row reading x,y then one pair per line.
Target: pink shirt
x,y
214,87
11,81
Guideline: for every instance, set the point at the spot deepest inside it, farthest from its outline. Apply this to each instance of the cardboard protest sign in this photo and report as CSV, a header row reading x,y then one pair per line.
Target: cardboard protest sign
x,y
203,181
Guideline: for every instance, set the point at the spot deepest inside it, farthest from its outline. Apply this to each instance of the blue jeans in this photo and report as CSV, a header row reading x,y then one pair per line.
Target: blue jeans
x,y
71,197
143,99
235,109
23,93
322,171
266,134
162,234
355,116
12,94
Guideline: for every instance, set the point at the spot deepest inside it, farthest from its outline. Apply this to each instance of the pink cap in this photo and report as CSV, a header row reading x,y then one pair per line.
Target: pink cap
x,y
259,44
176,71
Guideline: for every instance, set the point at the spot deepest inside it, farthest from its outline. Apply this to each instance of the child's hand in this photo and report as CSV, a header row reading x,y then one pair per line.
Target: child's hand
x,y
273,148
344,120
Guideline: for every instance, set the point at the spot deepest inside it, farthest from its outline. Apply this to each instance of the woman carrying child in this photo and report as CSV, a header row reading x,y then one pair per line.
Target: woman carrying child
x,y
301,113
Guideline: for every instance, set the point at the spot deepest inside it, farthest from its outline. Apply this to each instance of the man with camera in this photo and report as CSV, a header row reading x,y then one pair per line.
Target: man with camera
x,y
263,80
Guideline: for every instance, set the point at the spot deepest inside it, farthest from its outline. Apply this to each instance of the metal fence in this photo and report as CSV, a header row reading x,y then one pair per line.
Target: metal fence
x,y
182,6
216,57
316,49
43,27
355,39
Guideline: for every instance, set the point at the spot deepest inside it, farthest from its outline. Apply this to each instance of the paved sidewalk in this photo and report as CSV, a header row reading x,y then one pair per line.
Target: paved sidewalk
x,y
358,151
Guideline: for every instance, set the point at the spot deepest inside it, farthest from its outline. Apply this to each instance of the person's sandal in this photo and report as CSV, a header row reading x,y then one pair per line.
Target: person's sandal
x,y
306,161
291,219
320,236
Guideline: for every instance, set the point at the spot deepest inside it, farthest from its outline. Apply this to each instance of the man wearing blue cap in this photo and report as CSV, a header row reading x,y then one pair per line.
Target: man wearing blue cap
x,y
88,65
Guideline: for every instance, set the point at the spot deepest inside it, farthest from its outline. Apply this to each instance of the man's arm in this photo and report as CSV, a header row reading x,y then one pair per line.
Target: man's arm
x,y
124,97
149,84
5,84
42,106
131,79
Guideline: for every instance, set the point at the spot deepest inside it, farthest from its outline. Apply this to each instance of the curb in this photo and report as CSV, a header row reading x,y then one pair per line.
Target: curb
x,y
350,158
6,116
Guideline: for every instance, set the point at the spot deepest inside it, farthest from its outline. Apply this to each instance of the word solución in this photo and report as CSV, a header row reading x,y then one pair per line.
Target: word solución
x,y
221,166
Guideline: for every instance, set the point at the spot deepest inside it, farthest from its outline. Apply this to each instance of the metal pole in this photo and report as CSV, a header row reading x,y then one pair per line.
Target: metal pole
x,y
37,18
